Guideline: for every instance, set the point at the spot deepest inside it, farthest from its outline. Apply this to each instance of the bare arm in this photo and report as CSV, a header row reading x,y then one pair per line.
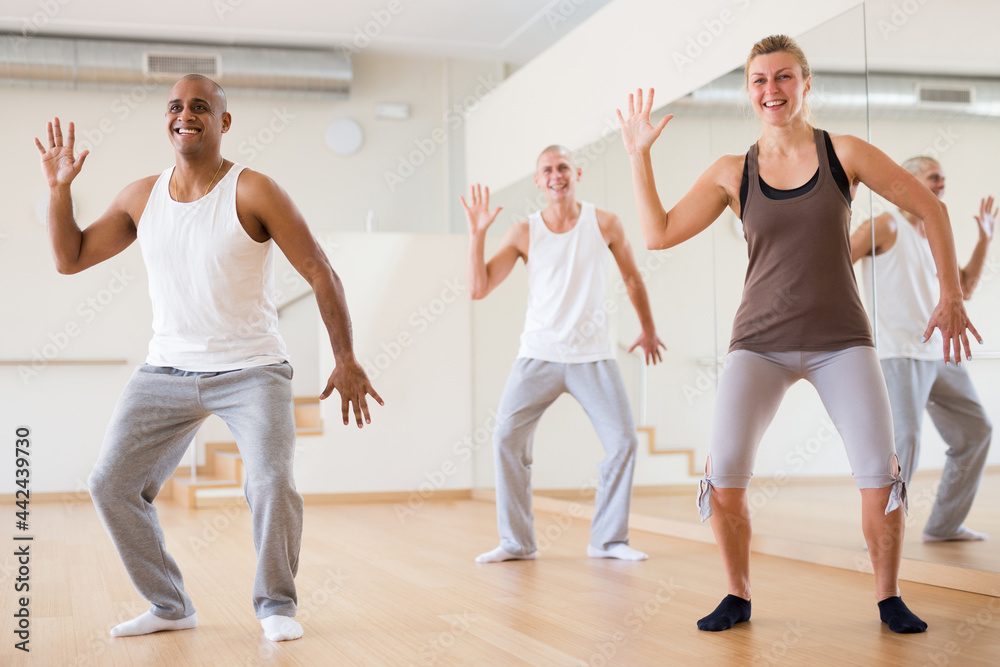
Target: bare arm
x,y
698,209
973,271
614,233
74,249
483,277
885,237
867,164
259,201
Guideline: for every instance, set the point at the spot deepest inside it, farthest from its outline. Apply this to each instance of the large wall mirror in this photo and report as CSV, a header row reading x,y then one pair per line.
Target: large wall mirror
x,y
802,490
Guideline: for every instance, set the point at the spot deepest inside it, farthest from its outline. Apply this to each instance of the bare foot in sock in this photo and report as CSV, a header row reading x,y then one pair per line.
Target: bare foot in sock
x,y
621,551
963,535
281,628
499,555
732,610
147,623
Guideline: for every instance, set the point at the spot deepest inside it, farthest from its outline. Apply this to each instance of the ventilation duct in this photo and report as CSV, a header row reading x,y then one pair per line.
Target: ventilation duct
x,y
49,62
840,95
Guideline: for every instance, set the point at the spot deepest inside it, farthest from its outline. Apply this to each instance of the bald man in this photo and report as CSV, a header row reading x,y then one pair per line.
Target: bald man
x,y
906,287
566,347
207,229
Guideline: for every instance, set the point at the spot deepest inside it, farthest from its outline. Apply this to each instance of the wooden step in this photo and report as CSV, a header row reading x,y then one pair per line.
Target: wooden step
x,y
185,489
223,472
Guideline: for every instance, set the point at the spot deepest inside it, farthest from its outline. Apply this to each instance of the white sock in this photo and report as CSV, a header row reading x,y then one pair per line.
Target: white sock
x,y
147,623
500,554
620,551
963,535
281,628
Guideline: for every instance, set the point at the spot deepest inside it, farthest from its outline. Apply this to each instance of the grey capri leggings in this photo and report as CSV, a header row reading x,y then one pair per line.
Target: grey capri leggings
x,y
852,388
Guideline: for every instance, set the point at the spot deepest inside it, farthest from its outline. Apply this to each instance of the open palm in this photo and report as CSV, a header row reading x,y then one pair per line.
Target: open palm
x,y
478,212
59,165
638,133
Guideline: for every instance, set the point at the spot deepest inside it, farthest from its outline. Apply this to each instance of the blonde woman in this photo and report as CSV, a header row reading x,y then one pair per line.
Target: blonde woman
x,y
793,191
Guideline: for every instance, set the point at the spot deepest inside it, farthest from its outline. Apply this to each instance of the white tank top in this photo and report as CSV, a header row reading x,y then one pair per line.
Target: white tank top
x,y
567,319
212,286
907,293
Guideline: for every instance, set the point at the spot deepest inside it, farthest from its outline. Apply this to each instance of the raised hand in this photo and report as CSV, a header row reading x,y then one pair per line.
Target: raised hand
x,y
353,385
638,133
987,218
651,346
59,165
478,214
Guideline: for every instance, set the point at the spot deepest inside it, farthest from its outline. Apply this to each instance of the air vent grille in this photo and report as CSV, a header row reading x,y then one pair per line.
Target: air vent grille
x,y
182,63
939,95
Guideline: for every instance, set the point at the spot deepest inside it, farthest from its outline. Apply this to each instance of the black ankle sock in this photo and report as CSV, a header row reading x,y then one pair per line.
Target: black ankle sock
x,y
732,610
900,619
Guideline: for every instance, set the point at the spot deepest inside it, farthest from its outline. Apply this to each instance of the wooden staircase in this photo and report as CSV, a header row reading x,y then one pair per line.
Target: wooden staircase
x,y
220,481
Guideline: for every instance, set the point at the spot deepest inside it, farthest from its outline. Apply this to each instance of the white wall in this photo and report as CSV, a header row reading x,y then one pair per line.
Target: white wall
x,y
48,316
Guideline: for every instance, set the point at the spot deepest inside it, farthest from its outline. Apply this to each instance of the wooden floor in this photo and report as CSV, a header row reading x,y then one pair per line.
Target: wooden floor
x,y
829,513
375,590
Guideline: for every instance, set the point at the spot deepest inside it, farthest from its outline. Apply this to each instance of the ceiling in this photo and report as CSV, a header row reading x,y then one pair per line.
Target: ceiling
x,y
513,31
958,36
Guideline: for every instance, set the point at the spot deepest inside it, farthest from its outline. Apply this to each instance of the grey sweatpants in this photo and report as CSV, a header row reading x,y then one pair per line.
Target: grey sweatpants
x,y
153,423
532,387
951,400
849,383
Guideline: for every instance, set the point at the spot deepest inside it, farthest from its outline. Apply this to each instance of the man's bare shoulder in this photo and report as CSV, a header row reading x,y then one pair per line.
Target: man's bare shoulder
x,y
253,182
133,197
885,221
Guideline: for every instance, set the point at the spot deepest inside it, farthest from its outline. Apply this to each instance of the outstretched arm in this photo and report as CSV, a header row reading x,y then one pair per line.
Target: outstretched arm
x,y
483,277
973,271
614,233
698,209
75,250
262,202
865,163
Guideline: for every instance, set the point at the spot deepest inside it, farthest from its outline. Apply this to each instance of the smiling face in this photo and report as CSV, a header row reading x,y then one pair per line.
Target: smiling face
x,y
777,87
556,175
932,175
196,115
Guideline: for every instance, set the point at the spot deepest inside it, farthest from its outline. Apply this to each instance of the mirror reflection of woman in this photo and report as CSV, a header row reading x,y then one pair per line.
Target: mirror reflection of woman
x,y
800,316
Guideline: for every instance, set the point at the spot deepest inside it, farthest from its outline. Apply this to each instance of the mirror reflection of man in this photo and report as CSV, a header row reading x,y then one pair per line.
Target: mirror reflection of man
x,y
565,347
905,292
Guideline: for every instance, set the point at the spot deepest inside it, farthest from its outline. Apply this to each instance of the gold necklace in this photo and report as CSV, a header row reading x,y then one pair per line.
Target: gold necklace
x,y
173,189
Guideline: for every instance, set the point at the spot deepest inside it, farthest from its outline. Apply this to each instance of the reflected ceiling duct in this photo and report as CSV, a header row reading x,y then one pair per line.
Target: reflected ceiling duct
x,y
840,95
82,64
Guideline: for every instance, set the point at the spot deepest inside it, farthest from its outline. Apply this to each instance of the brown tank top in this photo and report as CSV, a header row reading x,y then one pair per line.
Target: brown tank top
x,y
800,292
